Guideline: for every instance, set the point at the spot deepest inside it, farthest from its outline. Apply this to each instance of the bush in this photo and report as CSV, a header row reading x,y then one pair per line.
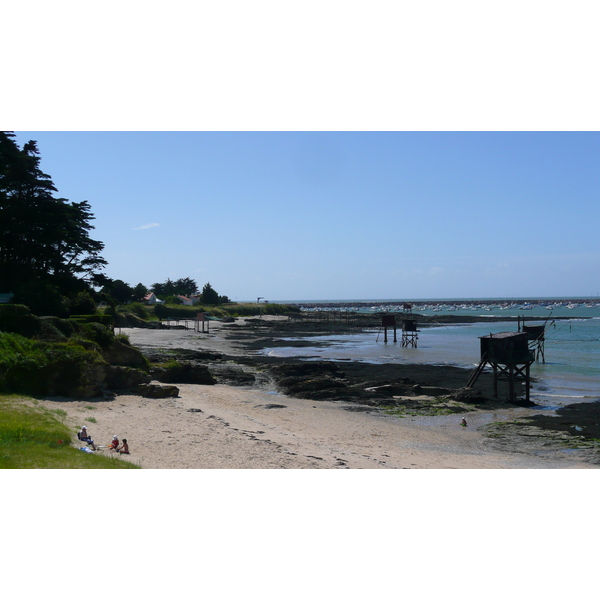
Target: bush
x,y
66,327
161,311
82,304
43,368
123,338
139,310
50,332
103,336
106,319
43,299
17,318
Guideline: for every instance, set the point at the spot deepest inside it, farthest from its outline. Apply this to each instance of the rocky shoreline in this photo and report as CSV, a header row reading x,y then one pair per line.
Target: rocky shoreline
x,y
232,355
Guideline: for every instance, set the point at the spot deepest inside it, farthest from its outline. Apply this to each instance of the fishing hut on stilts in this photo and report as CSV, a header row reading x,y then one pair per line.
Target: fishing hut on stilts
x,y
410,333
388,321
201,318
510,357
536,336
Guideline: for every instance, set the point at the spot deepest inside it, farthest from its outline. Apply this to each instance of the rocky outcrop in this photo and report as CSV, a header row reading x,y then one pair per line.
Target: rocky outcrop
x,y
124,378
124,355
152,390
183,372
468,396
232,374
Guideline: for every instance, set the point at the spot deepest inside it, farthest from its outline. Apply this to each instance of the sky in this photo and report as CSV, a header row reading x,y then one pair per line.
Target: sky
x,y
340,215
321,151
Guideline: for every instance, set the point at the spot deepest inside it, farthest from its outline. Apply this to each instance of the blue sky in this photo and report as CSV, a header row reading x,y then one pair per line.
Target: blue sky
x,y
323,150
340,215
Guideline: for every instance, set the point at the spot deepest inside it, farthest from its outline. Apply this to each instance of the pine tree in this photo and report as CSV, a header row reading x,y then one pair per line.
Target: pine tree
x,y
42,238
209,296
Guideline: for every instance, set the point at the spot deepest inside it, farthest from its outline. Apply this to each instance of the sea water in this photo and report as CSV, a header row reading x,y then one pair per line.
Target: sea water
x,y
570,373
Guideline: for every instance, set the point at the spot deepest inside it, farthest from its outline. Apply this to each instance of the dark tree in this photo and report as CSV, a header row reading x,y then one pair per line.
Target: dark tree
x,y
209,296
163,289
41,237
139,292
186,286
119,290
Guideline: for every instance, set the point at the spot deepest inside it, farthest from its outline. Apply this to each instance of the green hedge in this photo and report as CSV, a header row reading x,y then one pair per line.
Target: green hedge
x,y
102,319
163,311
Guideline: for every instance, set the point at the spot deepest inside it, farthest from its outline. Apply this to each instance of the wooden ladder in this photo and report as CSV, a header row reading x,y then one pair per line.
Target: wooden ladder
x,y
477,372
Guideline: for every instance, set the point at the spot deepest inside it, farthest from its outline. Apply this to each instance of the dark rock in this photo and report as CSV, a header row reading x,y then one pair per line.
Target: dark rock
x,y
295,385
184,372
232,374
124,355
152,390
121,378
468,396
306,369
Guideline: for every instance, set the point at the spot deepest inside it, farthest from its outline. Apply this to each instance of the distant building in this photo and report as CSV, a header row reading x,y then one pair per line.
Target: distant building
x,y
187,301
151,299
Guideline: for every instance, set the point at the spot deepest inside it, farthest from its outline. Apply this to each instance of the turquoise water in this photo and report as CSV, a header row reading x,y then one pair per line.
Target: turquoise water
x,y
570,374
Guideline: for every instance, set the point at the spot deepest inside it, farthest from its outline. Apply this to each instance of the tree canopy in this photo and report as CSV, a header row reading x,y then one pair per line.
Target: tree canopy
x,y
184,286
209,296
42,238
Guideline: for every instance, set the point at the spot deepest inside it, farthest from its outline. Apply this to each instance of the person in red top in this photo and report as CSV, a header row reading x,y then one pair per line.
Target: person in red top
x,y
114,444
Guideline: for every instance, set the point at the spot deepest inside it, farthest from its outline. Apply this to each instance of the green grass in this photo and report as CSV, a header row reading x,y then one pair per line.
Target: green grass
x,y
35,438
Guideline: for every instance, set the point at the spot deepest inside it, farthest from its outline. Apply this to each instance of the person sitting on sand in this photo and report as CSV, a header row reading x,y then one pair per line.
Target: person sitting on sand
x,y
463,422
85,437
114,444
123,448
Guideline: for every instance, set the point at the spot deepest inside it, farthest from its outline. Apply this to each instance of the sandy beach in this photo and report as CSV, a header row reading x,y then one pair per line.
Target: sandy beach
x,y
228,427
221,427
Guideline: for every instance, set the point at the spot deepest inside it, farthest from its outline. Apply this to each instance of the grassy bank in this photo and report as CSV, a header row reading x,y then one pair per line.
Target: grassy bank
x,y
131,315
36,438
232,309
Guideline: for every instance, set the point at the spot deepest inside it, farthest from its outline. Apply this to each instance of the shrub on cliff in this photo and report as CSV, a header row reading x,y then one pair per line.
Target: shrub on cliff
x,y
82,304
139,310
103,336
43,368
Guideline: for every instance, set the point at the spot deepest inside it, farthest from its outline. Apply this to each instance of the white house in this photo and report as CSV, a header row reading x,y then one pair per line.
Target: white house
x,y
187,301
151,299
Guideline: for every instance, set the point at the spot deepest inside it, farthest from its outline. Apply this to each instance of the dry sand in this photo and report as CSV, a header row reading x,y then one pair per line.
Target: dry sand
x,y
224,427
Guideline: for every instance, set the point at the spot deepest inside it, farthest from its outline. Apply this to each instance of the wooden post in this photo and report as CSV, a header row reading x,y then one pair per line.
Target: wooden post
x,y
495,379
